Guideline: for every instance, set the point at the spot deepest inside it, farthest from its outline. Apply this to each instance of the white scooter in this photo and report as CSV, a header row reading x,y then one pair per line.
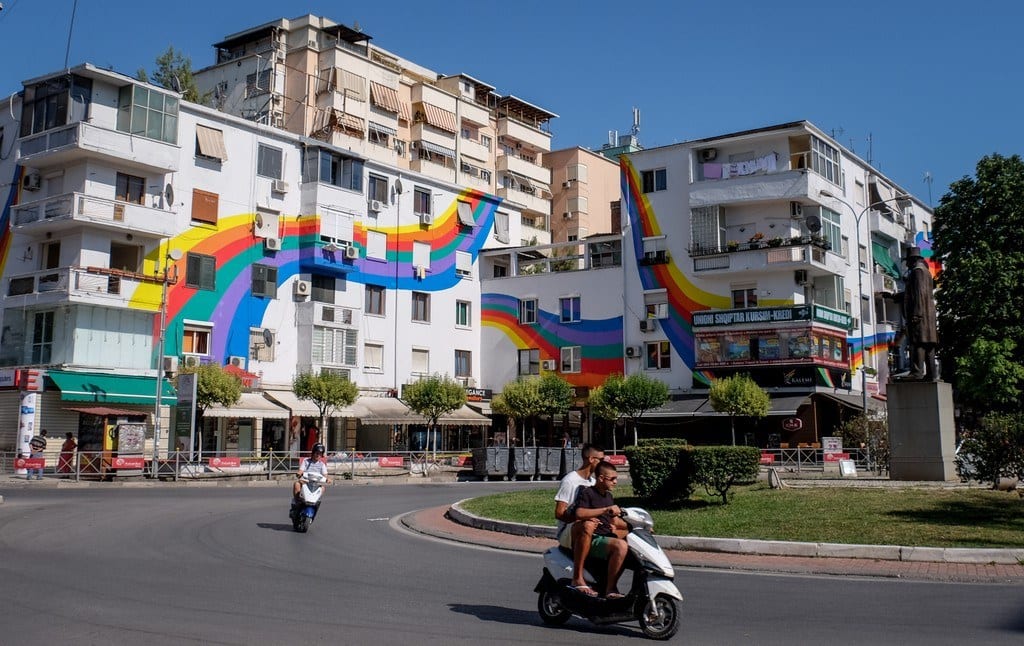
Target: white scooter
x,y
304,510
653,599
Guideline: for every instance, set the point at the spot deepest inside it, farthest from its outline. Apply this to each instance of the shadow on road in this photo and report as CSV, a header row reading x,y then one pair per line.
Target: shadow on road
x,y
527,617
279,527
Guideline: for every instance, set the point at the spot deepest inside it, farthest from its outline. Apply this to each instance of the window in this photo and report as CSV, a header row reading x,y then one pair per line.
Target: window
x,y
465,212
264,281
45,106
577,205
463,363
659,355
379,135
200,271
420,361
528,311
377,188
42,337
845,251
421,307
501,227
376,245
825,160
322,288
421,202
576,173
464,264
257,83
705,228
210,144
831,229
485,141
653,180
463,313
570,358
340,171
268,162
374,300
744,296
421,254
655,251
205,206
259,349
863,258
529,362
570,309
499,271
335,346
195,339
656,304
147,113
373,357
130,188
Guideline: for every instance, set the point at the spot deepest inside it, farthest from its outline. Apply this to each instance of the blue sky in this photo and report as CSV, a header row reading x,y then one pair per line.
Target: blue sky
x,y
936,84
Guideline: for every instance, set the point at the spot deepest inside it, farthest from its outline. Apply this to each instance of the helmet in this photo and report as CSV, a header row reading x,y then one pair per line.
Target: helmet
x,y
319,448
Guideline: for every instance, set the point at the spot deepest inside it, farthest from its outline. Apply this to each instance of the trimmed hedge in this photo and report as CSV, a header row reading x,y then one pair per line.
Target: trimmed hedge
x,y
668,470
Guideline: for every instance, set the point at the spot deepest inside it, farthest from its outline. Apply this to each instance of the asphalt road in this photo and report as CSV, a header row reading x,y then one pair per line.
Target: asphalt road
x,y
220,565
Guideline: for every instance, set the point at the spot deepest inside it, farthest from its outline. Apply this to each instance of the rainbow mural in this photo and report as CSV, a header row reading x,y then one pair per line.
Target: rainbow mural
x,y
5,217
600,340
233,309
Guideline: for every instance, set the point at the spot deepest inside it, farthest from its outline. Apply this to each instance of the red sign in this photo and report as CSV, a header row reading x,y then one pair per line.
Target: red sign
x,y
127,463
29,380
792,424
617,460
767,458
30,463
390,461
836,457
225,462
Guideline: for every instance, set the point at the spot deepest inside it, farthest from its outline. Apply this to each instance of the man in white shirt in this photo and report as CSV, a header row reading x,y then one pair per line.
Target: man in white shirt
x,y
572,534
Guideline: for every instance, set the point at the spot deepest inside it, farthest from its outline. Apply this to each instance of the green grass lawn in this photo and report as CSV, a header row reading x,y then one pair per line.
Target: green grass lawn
x,y
882,516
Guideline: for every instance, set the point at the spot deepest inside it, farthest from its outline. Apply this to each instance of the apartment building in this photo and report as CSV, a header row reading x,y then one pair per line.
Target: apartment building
x,y
585,186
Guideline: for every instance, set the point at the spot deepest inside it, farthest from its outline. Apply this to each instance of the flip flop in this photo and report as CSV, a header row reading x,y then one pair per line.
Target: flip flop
x,y
584,589
612,596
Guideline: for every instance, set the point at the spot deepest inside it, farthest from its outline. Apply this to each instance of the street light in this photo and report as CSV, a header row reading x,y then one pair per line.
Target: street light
x,y
860,294
173,255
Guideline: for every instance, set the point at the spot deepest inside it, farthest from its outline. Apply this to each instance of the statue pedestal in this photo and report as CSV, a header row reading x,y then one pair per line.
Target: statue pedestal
x,y
921,431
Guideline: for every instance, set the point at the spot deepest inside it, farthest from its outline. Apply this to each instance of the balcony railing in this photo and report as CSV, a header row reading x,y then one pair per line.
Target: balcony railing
x,y
79,284
67,144
750,256
86,209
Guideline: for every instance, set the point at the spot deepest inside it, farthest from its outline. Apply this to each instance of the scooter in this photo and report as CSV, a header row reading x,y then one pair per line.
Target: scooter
x,y
653,599
304,510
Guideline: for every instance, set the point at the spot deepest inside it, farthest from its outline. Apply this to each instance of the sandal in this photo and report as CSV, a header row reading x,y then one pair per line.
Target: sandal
x,y
584,589
613,596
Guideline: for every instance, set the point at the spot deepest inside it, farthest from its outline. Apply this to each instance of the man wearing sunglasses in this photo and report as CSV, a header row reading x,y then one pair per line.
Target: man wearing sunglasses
x,y
597,503
573,535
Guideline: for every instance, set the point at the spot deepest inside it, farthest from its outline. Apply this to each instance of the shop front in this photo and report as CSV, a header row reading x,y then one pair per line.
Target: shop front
x,y
239,430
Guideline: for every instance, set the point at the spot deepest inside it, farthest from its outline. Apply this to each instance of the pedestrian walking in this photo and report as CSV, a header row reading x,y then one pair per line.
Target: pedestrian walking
x,y
66,463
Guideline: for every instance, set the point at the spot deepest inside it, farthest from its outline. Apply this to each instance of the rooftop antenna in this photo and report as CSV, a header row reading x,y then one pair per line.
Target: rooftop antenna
x,y
928,180
71,27
636,122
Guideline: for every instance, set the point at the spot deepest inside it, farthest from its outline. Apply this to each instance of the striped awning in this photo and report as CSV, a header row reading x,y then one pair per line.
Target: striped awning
x,y
440,118
211,143
351,124
437,150
385,98
388,130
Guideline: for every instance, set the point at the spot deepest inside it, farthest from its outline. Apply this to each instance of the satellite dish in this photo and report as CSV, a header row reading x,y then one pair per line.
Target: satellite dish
x,y
813,223
174,254
169,194
398,185
259,220
268,337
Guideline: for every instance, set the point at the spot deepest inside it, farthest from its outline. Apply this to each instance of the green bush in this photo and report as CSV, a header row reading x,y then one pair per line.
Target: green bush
x,y
718,468
661,471
994,449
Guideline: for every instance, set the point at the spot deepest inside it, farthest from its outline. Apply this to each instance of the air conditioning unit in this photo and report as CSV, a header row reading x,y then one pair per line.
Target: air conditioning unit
x,y
301,288
31,182
170,364
888,283
567,215
352,252
238,362
279,186
190,360
648,325
375,205
800,276
272,244
426,219
549,364
709,154
632,351
567,183
796,210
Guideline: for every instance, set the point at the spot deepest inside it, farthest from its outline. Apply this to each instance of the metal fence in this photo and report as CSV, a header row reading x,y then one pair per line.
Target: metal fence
x,y
814,459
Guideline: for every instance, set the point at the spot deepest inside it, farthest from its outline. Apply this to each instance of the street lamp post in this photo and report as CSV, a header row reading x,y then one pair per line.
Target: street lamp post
x,y
174,255
860,297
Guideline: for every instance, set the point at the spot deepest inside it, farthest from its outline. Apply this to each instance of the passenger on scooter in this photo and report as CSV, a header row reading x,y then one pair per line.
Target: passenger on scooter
x,y
597,504
313,464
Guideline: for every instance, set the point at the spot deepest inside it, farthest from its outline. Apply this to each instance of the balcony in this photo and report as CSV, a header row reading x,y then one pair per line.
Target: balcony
x,y
70,210
753,257
519,166
887,225
473,148
83,140
474,113
528,200
508,127
90,285
443,170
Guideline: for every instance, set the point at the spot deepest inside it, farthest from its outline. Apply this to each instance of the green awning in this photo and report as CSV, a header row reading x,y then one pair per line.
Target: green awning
x,y
104,388
884,259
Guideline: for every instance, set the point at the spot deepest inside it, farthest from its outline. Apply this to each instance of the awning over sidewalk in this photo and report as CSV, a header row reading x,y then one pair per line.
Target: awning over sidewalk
x,y
787,403
384,411
465,416
106,411
686,407
250,405
298,407
103,388
854,400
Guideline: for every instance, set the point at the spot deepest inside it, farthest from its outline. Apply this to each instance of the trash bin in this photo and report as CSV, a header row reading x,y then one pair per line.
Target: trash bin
x,y
573,459
524,462
491,461
549,461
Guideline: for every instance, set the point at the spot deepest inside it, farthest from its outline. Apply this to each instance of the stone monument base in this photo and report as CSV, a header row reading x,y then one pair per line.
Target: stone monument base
x,y
922,434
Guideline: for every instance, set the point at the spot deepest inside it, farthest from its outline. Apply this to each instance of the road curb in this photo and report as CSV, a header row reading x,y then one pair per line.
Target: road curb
x,y
771,548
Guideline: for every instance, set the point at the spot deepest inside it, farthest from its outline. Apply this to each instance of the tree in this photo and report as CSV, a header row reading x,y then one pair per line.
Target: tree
x,y
978,226
327,391
519,400
870,433
433,397
738,395
556,397
629,397
174,72
994,449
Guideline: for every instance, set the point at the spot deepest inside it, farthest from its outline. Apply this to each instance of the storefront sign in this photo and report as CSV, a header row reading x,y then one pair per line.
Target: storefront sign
x,y
762,315
7,378
833,317
30,463
225,462
127,463
478,394
767,458
792,424
390,461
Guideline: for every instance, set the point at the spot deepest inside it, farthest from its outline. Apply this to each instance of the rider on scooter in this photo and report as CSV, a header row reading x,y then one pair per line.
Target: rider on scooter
x,y
313,464
596,503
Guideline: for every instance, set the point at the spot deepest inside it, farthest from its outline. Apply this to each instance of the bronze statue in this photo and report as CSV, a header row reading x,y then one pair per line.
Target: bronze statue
x,y
919,312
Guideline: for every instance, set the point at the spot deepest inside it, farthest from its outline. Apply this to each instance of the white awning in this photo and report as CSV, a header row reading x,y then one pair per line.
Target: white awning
x,y
465,211
465,416
298,407
250,405
384,411
388,130
211,143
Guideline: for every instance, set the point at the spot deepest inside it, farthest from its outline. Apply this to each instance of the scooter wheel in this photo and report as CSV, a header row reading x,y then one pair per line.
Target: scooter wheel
x,y
302,525
551,610
660,617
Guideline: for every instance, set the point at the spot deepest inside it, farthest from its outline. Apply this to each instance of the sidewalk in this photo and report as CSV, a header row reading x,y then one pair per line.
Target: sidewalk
x,y
439,522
